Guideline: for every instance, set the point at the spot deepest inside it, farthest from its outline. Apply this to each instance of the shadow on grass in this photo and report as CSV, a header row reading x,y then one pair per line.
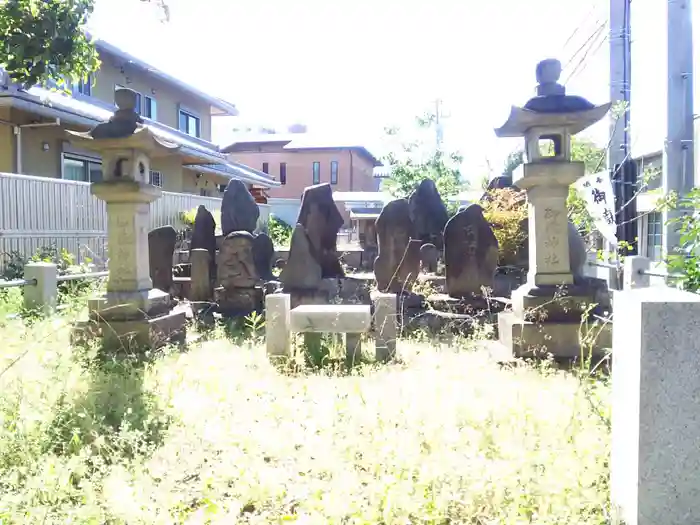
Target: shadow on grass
x,y
114,417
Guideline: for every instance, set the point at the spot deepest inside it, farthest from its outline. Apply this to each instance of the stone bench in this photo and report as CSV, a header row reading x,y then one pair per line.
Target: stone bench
x,y
352,320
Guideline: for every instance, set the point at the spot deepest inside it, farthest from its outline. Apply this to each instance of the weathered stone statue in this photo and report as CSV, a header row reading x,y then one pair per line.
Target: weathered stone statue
x,y
263,252
394,231
161,247
301,271
239,211
428,213
204,231
238,278
471,253
321,220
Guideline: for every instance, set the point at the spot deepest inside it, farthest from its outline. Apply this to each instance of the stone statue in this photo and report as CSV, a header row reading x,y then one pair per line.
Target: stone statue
x,y
236,264
394,232
321,220
239,211
428,213
471,253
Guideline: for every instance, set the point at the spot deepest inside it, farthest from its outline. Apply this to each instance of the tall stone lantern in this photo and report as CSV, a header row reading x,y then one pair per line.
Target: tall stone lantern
x,y
131,310
547,309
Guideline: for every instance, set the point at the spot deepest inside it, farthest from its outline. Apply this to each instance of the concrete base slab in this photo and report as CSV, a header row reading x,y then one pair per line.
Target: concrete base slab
x,y
120,335
563,340
130,305
552,303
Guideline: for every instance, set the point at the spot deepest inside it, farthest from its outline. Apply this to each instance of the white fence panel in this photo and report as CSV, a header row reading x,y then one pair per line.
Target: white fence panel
x,y
38,212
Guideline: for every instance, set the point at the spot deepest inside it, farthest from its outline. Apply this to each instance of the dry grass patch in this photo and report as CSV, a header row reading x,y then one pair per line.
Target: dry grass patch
x,y
218,435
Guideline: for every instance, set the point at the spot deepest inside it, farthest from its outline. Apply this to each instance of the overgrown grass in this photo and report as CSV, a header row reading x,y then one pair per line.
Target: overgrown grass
x,y
217,434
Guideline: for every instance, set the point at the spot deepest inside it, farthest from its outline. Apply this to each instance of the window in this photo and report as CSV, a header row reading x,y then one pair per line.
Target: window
x,y
189,124
317,173
283,173
138,98
150,108
156,178
82,169
334,172
266,167
654,233
84,87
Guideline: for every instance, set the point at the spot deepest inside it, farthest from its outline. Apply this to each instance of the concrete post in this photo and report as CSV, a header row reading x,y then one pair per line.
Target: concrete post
x,y
385,325
632,273
277,325
44,294
656,408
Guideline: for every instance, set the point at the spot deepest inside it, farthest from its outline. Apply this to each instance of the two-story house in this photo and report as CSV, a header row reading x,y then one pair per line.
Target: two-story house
x,y
33,123
298,160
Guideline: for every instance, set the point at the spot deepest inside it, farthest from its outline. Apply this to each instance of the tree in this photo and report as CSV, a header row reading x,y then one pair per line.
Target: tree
x,y
45,40
413,163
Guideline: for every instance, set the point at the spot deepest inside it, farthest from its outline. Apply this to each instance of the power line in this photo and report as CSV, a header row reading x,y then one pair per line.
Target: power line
x,y
589,52
588,43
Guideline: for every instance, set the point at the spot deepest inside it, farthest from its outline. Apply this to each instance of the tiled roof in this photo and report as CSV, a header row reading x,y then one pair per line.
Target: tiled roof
x,y
98,111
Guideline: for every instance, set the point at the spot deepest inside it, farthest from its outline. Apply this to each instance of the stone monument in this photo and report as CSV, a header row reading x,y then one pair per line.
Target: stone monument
x,y
394,231
471,253
239,211
131,311
239,291
161,247
321,220
548,308
429,258
428,213
263,252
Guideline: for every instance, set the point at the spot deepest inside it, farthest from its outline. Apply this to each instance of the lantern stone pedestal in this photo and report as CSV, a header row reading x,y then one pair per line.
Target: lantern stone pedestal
x,y
131,312
551,312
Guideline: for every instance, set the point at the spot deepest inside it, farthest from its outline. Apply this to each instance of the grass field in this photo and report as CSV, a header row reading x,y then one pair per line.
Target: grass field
x,y
216,434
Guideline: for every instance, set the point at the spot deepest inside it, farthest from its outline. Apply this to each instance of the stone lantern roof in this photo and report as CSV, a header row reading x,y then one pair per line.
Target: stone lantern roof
x,y
125,130
552,107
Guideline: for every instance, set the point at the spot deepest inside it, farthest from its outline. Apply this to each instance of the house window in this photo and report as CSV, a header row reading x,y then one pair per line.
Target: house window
x,y
138,98
156,178
317,173
189,124
334,172
81,169
150,108
654,233
266,167
283,173
84,86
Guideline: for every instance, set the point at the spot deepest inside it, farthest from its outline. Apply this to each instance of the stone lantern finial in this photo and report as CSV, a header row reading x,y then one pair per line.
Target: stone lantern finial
x,y
125,120
548,73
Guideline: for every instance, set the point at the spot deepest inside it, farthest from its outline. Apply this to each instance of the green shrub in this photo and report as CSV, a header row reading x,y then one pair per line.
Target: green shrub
x,y
279,231
506,212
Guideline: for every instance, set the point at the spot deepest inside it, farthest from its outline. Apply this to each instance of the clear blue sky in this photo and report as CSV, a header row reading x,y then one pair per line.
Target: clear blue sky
x,y
350,68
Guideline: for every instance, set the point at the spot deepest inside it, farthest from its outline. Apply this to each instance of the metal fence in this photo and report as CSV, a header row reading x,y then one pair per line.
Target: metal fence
x,y
37,212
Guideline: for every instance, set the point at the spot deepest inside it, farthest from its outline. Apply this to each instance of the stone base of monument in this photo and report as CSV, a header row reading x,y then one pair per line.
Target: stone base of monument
x,y
129,321
466,305
237,302
556,321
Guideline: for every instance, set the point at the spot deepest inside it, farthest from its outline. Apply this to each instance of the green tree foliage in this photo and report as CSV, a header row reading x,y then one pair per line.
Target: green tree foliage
x,y
413,164
43,40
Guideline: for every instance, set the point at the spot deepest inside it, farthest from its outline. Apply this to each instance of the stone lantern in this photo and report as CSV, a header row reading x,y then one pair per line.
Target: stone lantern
x,y
547,309
131,309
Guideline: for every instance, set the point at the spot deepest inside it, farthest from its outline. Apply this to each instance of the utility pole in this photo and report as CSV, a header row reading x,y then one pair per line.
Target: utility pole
x,y
622,169
439,130
678,167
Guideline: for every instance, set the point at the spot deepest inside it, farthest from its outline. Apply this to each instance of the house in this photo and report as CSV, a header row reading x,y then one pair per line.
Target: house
x,y
33,123
650,222
297,160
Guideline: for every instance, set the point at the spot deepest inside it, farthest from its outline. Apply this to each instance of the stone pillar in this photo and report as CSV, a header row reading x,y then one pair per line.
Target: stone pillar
x,y
44,294
277,325
385,325
656,407
201,288
633,276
